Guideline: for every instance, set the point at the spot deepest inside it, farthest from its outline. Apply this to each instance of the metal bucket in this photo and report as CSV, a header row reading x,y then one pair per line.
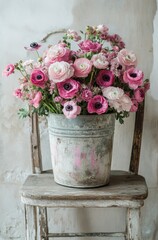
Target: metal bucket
x,y
81,149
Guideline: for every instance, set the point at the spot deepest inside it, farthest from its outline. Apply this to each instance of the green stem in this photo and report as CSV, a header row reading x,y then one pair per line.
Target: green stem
x,y
37,54
91,78
50,107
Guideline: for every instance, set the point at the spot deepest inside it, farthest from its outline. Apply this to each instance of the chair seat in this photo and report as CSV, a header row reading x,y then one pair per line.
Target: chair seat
x,y
42,190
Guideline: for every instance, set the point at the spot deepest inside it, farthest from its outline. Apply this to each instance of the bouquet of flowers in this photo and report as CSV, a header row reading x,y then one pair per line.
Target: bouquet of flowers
x,y
99,77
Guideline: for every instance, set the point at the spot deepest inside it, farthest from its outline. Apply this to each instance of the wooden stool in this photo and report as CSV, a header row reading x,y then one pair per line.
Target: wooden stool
x,y
126,190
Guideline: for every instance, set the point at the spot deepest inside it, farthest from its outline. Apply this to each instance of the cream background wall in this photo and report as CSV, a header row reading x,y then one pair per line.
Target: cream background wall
x,y
25,21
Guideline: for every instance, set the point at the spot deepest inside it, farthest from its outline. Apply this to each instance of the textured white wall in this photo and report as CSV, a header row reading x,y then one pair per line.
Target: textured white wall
x,y
22,22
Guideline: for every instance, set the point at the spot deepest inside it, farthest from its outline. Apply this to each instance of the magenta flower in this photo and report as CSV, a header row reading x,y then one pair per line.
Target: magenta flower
x,y
105,78
71,110
38,78
9,69
82,67
89,46
36,100
133,77
97,104
139,94
34,46
68,88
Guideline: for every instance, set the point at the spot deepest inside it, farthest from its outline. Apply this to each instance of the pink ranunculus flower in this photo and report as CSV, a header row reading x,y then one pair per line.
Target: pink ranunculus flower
x,y
18,93
133,77
36,100
139,94
73,35
38,78
127,58
60,71
9,69
71,109
68,88
86,95
105,78
89,46
57,53
98,104
82,67
134,106
102,29
99,61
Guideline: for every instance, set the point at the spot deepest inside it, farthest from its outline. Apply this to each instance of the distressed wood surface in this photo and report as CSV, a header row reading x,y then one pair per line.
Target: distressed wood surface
x,y
137,137
30,223
133,224
35,145
123,186
43,223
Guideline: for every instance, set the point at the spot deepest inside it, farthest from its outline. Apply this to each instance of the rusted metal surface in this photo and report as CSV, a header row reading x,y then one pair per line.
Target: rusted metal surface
x,y
137,137
81,149
35,145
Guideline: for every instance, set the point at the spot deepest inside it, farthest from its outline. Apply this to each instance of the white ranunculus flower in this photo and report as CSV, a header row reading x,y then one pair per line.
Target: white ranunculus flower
x,y
112,93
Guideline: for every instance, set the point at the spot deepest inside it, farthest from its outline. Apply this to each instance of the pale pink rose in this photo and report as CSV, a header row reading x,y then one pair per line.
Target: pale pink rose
x,y
68,88
105,78
60,71
139,94
127,58
89,46
57,53
134,106
102,29
17,93
9,69
38,78
112,93
98,104
99,61
73,35
82,67
86,95
122,104
71,110
133,77
36,100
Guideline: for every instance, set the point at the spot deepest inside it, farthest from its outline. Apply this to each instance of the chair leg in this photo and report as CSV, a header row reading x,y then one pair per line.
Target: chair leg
x,y
133,224
43,222
30,223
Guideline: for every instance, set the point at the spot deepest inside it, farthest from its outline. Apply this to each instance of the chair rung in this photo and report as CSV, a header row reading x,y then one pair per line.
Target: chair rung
x,y
95,234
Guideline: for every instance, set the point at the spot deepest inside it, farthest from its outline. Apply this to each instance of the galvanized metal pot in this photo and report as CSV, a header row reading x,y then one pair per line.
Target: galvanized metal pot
x,y
81,149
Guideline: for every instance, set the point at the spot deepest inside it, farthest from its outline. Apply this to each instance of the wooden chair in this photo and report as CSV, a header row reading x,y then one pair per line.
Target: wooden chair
x,y
126,190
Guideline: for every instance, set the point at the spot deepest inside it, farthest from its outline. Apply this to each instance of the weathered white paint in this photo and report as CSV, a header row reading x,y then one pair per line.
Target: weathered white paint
x,y
22,22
